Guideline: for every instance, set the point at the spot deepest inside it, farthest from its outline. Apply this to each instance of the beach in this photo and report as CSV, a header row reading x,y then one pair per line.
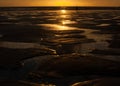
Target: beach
x,y
59,47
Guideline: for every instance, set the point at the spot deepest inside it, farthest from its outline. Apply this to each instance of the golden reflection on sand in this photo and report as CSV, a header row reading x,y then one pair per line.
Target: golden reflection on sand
x,y
62,27
63,16
67,22
63,11
57,27
63,22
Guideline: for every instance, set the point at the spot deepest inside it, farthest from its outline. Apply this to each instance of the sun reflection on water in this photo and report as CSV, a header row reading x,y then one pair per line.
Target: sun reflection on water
x,y
63,11
63,16
57,27
63,23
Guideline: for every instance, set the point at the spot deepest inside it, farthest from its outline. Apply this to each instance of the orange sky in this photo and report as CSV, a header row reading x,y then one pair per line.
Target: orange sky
x,y
59,2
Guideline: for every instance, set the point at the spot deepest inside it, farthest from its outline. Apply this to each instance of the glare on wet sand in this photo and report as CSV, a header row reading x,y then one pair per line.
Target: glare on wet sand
x,y
57,27
63,11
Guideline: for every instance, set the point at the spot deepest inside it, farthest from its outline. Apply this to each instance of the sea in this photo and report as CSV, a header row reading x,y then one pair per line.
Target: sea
x,y
36,42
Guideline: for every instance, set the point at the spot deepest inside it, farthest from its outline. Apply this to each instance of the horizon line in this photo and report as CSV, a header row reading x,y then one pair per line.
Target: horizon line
x,y
59,6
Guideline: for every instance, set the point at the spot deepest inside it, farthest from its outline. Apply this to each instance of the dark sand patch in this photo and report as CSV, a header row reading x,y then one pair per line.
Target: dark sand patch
x,y
110,81
115,42
12,57
57,41
73,65
113,29
19,83
23,33
115,52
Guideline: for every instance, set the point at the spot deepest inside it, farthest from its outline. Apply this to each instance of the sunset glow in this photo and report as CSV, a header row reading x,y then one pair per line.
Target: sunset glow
x,y
59,3
63,3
